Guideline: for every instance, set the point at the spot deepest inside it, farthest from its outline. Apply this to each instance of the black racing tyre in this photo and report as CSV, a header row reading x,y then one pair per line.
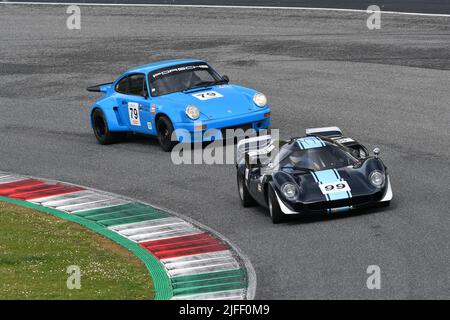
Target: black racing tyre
x,y
245,197
274,207
101,130
165,130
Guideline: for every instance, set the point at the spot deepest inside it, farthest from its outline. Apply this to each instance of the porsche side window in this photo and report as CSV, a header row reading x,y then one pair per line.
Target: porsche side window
x,y
137,85
123,86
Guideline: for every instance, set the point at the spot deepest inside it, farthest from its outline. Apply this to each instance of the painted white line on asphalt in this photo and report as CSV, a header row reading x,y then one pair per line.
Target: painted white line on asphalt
x,y
221,7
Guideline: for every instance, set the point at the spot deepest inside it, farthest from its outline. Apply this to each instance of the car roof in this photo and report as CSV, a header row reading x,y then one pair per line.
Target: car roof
x,y
161,64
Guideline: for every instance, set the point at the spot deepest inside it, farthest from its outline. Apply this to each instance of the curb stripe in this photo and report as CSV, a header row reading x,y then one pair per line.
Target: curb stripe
x,y
225,295
49,191
184,261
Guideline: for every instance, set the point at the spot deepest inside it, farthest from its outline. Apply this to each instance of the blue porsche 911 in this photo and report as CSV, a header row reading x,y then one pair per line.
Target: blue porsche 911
x,y
175,100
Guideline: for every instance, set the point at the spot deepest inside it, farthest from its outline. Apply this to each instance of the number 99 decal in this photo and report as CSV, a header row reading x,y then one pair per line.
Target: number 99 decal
x,y
332,187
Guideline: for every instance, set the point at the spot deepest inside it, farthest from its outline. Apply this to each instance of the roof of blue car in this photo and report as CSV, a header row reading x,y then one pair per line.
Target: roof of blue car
x,y
161,64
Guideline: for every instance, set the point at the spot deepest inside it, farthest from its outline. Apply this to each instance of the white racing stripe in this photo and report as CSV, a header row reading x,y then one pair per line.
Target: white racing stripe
x,y
222,7
224,295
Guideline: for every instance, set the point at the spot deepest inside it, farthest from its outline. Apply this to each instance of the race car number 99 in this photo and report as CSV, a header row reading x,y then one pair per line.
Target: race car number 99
x,y
133,109
338,186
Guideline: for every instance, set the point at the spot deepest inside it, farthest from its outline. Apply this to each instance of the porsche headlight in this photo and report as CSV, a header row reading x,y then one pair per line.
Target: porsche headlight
x,y
377,178
260,99
289,190
192,112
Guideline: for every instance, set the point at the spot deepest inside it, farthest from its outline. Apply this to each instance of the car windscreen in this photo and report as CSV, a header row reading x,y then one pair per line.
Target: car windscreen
x,y
327,157
180,78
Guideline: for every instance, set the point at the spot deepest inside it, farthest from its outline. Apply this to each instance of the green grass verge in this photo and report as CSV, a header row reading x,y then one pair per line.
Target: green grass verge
x,y
36,249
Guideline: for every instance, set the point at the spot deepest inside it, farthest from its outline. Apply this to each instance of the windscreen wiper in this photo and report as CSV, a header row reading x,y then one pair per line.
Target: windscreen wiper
x,y
201,85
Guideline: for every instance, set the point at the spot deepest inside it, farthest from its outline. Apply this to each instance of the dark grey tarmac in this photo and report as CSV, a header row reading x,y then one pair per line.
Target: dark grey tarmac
x,y
388,88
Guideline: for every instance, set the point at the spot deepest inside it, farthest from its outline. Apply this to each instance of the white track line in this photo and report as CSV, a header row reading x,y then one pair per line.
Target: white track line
x,y
220,7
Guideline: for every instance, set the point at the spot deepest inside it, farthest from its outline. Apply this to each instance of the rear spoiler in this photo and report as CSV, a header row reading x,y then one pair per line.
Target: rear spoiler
x,y
325,131
103,87
253,144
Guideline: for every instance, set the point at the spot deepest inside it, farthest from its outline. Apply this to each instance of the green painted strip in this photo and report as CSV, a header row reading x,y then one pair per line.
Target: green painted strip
x,y
117,214
209,282
161,281
208,275
122,207
208,289
131,219
123,214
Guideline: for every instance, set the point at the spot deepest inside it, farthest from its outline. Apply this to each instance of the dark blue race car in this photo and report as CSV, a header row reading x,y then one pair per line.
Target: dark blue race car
x,y
322,172
176,100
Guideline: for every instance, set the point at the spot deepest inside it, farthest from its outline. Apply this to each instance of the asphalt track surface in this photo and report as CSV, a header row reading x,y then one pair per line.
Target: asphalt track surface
x,y
387,88
421,6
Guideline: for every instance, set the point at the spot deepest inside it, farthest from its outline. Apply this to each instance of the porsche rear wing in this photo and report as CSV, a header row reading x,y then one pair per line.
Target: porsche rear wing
x,y
103,87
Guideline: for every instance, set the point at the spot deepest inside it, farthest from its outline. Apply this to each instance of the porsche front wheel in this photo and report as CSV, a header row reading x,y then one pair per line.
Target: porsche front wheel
x,y
165,130
274,207
101,130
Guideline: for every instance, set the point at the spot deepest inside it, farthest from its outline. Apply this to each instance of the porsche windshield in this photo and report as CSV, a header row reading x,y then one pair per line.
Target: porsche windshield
x,y
181,78
314,159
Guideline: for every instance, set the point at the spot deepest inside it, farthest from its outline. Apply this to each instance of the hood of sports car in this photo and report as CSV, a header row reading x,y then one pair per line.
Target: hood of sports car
x,y
333,184
216,102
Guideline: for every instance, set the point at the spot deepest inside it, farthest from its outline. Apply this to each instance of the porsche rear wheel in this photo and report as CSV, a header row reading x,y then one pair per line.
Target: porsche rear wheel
x,y
274,207
101,130
165,130
244,195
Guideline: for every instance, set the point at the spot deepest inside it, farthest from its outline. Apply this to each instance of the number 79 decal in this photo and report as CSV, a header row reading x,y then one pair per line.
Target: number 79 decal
x,y
133,113
332,187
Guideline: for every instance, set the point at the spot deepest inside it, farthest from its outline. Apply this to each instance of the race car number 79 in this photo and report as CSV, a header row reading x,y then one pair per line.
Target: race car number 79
x,y
133,112
337,186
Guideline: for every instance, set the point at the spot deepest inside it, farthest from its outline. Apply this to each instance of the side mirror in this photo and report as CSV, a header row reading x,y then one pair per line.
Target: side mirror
x,y
376,152
144,94
226,79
